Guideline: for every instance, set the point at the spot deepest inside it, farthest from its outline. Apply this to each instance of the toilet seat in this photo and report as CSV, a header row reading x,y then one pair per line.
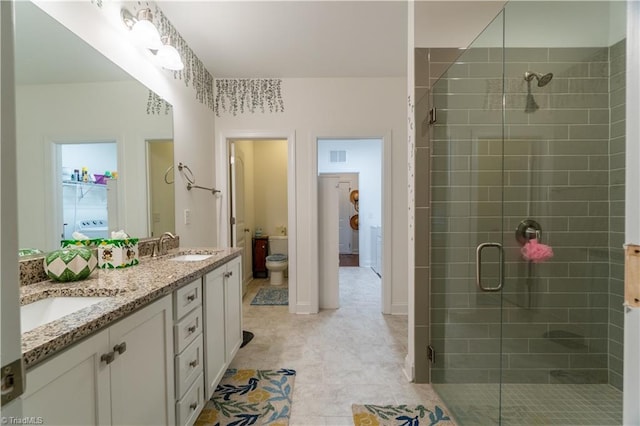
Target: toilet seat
x,y
277,258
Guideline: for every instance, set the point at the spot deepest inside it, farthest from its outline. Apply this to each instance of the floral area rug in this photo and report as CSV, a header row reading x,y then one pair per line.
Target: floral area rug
x,y
271,296
400,415
250,397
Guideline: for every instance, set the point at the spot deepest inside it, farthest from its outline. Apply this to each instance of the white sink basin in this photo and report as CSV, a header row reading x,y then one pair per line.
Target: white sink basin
x,y
50,309
190,257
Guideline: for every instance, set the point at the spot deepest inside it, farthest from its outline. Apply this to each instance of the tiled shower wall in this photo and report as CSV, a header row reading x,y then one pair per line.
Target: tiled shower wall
x,y
564,167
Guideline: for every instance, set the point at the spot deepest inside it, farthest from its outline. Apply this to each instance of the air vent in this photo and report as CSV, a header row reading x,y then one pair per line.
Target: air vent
x,y
338,156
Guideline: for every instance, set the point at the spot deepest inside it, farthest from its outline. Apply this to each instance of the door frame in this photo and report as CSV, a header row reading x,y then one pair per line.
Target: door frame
x,y
223,206
148,144
385,137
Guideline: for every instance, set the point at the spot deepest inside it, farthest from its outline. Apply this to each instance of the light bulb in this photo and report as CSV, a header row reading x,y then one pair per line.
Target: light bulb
x,y
146,35
169,58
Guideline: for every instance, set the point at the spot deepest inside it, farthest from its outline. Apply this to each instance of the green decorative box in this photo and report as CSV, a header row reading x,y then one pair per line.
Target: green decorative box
x,y
118,253
70,264
93,242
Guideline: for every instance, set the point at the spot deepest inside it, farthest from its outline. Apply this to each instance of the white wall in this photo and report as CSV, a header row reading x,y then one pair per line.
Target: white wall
x,y
85,112
365,158
270,185
335,108
193,129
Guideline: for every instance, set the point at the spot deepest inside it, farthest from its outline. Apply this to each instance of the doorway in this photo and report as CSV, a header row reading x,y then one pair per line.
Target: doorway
x,y
86,203
162,215
356,165
258,176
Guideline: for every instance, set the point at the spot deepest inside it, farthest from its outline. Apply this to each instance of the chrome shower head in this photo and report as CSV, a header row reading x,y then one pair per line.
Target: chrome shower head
x,y
543,80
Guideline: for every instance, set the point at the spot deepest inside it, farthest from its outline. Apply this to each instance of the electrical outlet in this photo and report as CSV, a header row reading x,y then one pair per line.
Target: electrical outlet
x,y
187,217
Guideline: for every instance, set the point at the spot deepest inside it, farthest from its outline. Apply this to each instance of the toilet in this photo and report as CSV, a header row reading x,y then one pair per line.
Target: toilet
x,y
277,261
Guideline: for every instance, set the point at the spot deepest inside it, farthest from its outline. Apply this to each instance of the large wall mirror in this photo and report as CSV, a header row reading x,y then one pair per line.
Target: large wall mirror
x,y
75,110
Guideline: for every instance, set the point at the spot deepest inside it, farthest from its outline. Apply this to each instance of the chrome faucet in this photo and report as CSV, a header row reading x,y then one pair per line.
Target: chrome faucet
x,y
158,248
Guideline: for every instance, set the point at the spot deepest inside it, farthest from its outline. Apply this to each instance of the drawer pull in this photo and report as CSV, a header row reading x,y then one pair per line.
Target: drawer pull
x,y
228,274
193,406
108,357
193,363
191,297
121,348
192,329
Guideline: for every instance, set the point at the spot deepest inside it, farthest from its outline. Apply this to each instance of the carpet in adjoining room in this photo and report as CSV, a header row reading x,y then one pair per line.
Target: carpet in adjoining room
x,y
250,397
271,296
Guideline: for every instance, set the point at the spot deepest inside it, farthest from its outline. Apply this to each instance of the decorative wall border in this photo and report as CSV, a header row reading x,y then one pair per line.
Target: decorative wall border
x,y
239,95
194,71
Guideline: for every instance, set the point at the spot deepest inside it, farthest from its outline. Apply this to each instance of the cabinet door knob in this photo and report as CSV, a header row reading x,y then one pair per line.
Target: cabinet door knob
x,y
193,363
121,348
108,357
193,405
191,297
191,329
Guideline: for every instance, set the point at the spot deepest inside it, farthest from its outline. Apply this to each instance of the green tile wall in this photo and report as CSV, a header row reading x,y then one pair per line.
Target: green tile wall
x,y
616,211
561,321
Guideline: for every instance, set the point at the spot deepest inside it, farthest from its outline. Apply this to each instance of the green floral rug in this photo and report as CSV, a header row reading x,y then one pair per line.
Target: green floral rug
x,y
400,415
250,397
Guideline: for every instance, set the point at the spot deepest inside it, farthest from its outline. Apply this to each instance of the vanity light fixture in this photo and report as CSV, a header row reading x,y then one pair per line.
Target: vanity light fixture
x,y
168,56
142,28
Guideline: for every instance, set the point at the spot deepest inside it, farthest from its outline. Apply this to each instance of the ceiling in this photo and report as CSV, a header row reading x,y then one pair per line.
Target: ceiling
x,y
294,39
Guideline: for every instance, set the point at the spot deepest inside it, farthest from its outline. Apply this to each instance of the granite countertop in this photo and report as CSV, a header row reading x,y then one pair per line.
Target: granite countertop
x,y
130,289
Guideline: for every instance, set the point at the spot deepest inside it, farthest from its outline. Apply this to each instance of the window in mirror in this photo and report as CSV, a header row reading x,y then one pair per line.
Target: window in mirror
x,y
86,171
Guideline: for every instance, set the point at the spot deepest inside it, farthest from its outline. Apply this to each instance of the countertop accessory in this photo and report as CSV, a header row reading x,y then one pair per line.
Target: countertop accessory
x,y
70,264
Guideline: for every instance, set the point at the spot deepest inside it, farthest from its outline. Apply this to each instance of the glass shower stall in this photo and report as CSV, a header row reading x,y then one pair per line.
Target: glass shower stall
x,y
527,167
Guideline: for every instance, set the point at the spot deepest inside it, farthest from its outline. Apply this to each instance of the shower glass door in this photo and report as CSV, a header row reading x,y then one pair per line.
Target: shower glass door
x,y
527,155
467,172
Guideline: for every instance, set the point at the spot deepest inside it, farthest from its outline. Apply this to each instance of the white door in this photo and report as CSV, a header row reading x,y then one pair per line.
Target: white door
x,y
239,230
9,290
328,262
344,227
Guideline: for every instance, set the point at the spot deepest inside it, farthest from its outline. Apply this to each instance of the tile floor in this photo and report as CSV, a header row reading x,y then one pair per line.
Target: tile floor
x,y
350,355
534,404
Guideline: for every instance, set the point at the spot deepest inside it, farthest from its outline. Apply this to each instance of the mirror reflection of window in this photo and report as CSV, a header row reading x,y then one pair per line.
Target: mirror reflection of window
x,y
85,169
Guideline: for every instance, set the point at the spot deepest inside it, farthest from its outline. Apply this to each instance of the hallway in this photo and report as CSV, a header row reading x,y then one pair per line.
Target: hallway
x,y
350,355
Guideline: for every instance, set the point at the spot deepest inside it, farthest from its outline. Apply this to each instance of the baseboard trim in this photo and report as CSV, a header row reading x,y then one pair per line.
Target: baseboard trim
x,y
399,309
409,368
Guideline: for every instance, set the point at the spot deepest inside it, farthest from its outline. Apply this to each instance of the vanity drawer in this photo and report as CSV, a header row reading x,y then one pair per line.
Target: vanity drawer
x,y
188,408
188,365
187,329
187,298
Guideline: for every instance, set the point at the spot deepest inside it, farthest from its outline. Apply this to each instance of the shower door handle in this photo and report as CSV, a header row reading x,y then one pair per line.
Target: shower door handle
x,y
479,266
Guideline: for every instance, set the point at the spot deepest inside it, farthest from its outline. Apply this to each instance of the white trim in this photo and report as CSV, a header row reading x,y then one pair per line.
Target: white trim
x,y
402,309
222,181
631,395
409,368
386,289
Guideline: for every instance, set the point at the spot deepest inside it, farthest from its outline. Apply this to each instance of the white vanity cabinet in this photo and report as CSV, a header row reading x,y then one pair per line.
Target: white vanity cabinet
x,y
188,345
223,320
122,375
